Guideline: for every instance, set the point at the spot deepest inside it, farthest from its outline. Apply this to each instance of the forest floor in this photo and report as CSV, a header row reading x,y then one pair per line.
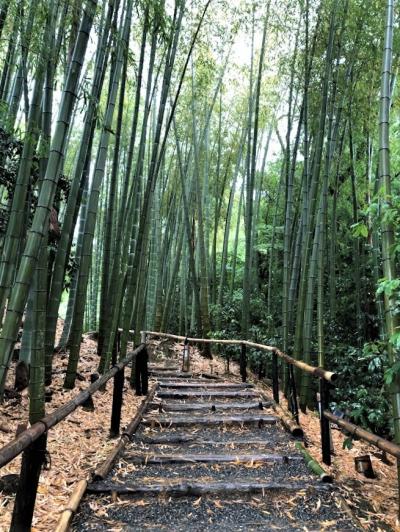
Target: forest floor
x,y
76,445
82,441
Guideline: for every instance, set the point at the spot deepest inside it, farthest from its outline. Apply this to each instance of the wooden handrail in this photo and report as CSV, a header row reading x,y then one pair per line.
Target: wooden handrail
x,y
382,444
321,373
28,436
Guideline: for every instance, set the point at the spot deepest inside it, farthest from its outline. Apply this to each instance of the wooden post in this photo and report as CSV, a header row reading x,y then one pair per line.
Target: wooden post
x,y
243,363
145,372
275,377
117,392
325,424
138,383
293,405
32,461
142,373
118,340
186,356
117,403
142,337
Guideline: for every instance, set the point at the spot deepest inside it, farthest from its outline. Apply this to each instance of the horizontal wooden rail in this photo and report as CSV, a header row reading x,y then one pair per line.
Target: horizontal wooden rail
x,y
28,436
382,444
317,372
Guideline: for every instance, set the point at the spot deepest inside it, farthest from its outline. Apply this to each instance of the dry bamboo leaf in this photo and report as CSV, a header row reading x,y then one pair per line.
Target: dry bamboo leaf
x,y
197,502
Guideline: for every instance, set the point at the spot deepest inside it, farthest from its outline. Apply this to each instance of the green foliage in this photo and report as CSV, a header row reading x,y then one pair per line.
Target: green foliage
x,y
348,443
360,393
360,230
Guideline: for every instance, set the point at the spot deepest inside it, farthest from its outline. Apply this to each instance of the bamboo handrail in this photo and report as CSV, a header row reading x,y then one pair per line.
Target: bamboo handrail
x,y
28,436
382,444
329,376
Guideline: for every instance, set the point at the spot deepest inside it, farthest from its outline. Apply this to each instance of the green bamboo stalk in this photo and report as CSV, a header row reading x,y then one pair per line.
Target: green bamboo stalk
x,y
26,35
77,321
109,249
77,192
19,293
225,245
289,203
15,229
312,270
392,320
236,240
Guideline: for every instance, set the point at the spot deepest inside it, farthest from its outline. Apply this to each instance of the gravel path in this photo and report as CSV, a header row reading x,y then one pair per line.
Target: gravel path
x,y
308,507
277,511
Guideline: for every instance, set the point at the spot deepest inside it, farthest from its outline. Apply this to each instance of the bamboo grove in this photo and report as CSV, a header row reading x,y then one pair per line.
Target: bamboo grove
x,y
213,168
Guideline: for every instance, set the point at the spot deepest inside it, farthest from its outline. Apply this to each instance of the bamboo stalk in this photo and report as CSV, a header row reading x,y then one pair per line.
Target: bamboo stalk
x,y
313,465
288,422
72,506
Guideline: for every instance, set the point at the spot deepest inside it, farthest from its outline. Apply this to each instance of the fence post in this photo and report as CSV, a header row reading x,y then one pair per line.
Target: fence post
x,y
32,460
142,373
186,356
325,424
118,340
142,337
243,363
145,372
117,403
118,390
275,377
293,405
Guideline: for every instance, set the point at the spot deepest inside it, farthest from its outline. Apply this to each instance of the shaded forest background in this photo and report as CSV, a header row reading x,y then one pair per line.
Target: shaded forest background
x,y
220,169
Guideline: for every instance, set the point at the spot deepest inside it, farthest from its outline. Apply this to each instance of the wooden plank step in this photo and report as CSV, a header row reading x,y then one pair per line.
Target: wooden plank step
x,y
211,406
154,367
207,386
175,374
209,458
178,394
209,420
173,439
171,380
189,488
